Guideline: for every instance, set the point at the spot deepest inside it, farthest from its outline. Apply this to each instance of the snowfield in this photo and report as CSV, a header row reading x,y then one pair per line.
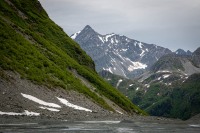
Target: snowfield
x,y
136,65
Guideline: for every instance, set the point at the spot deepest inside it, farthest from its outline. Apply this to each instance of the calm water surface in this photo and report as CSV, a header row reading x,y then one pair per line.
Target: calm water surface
x,y
99,127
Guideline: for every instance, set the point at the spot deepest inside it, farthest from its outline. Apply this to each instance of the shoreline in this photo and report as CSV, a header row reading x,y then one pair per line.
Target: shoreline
x,y
11,119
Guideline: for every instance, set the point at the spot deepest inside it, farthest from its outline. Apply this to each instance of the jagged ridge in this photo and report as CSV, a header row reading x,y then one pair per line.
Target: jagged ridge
x,y
118,54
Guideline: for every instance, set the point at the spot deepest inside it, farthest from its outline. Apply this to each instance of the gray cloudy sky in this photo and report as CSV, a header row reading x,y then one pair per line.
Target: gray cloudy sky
x,y
169,23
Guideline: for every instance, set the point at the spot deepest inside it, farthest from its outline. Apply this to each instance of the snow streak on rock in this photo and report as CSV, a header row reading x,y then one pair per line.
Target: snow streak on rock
x,y
50,109
75,35
65,102
136,65
41,102
166,76
119,112
26,113
118,83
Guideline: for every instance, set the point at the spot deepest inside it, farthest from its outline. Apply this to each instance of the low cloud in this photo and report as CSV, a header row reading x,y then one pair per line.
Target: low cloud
x,y
169,23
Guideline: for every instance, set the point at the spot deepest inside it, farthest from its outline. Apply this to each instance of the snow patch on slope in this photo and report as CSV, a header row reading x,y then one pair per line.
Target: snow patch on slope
x,y
142,53
50,109
108,36
118,83
65,102
25,113
166,76
75,34
119,112
136,65
108,69
41,102
140,44
101,39
131,85
163,71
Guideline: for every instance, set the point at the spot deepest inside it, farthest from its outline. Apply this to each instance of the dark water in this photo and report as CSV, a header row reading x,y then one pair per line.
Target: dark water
x,y
99,127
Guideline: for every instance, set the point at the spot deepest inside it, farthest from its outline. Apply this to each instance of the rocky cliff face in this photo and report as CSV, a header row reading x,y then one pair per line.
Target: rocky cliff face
x,y
118,54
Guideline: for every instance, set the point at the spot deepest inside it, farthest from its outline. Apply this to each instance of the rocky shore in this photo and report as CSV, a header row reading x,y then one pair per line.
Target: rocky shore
x,y
12,87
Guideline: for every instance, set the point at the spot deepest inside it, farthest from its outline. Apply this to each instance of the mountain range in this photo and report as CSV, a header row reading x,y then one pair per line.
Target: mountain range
x,y
155,78
118,54
171,88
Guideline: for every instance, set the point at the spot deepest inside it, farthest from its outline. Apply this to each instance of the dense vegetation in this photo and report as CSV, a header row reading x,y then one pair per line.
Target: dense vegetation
x,y
34,46
180,100
186,98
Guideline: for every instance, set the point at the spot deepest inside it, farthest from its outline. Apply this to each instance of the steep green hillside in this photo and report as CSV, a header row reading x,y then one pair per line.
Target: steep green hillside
x,y
34,46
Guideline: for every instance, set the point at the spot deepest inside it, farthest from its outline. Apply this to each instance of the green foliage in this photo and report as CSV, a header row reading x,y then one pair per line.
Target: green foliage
x,y
186,98
123,87
38,49
160,108
179,100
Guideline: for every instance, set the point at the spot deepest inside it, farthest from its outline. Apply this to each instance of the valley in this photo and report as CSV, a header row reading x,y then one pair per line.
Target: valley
x,y
89,82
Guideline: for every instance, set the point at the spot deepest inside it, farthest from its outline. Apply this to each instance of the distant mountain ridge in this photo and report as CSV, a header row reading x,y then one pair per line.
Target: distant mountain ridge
x,y
196,57
170,88
182,52
118,54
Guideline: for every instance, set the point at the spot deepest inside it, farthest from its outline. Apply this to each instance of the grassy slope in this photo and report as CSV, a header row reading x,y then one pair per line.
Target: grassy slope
x,y
34,46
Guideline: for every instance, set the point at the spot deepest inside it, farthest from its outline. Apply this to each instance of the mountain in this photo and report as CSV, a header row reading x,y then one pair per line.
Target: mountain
x,y
172,82
44,72
182,52
126,86
196,57
176,63
118,54
170,88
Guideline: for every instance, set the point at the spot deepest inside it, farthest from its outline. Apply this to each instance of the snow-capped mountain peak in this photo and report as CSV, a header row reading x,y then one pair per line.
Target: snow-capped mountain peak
x,y
118,54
